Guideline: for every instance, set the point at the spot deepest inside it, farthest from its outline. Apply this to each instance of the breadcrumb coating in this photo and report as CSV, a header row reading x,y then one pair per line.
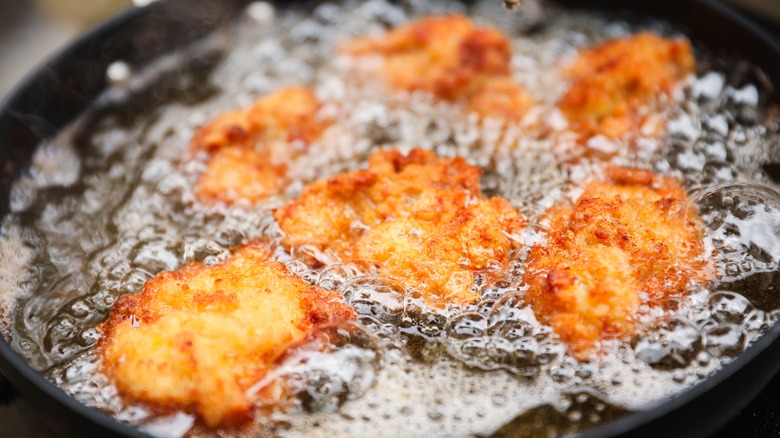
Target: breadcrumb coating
x,y
626,241
421,218
613,80
196,339
452,58
501,98
249,149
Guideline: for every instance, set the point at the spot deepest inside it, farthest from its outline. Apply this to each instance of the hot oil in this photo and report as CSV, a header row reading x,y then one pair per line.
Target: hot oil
x,y
109,204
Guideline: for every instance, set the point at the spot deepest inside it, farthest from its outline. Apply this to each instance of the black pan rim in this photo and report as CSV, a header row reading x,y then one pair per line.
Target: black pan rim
x,y
664,407
15,367
12,365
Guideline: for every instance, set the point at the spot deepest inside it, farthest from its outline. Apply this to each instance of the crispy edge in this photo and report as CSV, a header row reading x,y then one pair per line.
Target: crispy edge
x,y
325,213
451,58
613,80
557,286
249,148
320,307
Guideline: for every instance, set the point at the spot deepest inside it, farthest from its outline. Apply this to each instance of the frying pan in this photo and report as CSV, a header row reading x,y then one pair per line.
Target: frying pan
x,y
64,88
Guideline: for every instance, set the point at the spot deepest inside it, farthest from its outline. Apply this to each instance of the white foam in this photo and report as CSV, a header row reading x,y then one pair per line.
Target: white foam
x,y
16,258
708,86
747,95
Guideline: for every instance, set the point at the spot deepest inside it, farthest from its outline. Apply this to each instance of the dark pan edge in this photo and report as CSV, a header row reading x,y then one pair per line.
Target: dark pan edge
x,y
59,411
27,381
671,418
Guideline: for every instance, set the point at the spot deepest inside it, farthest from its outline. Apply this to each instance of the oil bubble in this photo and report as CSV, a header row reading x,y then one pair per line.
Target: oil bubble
x,y
743,228
729,307
466,325
375,296
333,365
724,340
668,343
334,277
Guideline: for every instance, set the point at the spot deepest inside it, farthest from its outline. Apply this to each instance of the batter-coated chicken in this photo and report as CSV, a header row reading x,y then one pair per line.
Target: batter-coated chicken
x,y
632,239
451,58
249,149
421,218
612,81
196,339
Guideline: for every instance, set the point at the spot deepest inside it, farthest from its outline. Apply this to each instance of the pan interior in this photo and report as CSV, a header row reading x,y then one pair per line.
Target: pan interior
x,y
108,204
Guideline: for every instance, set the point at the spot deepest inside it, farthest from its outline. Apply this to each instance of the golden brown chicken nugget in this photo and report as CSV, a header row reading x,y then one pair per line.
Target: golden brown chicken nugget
x,y
631,239
250,148
236,173
613,80
449,57
196,339
421,218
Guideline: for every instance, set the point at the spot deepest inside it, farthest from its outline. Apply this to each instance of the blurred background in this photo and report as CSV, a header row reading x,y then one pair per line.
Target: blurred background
x,y
30,30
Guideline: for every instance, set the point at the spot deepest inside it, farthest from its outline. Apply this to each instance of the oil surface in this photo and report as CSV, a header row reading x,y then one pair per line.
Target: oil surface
x,y
109,203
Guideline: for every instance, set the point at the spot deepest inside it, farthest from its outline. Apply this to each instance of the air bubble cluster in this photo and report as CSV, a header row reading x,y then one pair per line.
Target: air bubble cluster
x,y
507,336
743,228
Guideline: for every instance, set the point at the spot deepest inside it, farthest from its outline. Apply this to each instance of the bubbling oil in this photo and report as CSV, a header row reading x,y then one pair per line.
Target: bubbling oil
x,y
109,203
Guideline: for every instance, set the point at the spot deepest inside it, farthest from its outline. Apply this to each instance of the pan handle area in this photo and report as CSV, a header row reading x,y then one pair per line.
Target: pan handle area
x,y
6,393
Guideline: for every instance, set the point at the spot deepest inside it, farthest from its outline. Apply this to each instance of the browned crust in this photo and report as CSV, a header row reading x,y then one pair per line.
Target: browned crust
x,y
249,149
422,217
451,58
613,80
196,339
626,240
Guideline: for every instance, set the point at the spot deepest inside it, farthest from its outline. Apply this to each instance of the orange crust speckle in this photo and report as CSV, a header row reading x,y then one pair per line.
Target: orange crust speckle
x,y
501,98
613,80
196,339
420,217
451,58
631,239
249,148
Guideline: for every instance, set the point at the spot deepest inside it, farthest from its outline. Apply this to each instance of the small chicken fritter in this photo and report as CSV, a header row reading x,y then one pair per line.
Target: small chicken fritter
x,y
196,339
250,148
236,173
631,240
451,58
421,218
613,80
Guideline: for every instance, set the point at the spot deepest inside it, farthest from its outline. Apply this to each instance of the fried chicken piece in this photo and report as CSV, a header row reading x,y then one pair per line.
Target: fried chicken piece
x,y
451,58
630,240
421,218
196,339
446,55
615,79
249,148
235,173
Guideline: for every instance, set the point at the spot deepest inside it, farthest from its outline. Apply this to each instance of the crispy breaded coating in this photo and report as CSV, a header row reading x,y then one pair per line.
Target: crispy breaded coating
x,y
631,239
501,98
613,80
446,55
196,339
449,57
236,173
249,148
421,218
